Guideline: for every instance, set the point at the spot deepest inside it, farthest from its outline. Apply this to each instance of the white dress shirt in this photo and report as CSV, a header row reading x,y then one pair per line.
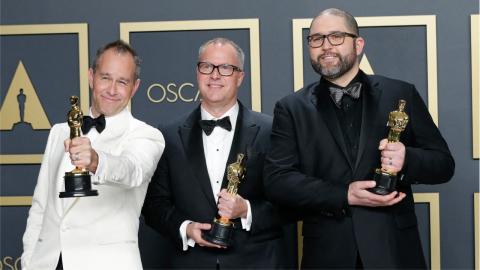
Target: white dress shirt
x,y
216,147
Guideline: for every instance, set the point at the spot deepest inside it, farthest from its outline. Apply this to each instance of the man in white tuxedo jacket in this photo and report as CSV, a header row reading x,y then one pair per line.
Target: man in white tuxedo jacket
x,y
99,232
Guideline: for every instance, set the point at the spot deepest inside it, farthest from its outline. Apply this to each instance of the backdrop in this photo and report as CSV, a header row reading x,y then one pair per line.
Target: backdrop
x,y
46,47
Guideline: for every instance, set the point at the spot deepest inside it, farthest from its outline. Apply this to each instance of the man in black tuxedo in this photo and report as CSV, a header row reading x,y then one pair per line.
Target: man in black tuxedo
x,y
325,147
188,188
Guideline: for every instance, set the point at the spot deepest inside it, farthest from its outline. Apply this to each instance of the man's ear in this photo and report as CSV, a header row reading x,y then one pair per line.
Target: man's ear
x,y
91,74
360,43
135,87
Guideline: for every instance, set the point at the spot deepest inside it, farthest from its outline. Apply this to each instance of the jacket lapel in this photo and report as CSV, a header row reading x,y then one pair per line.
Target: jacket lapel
x,y
245,133
63,165
369,114
326,108
191,136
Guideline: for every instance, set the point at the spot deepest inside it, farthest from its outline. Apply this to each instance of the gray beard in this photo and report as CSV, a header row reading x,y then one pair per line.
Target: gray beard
x,y
334,72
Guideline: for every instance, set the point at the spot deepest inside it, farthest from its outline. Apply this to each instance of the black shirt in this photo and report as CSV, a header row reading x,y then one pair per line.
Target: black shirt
x,y
349,114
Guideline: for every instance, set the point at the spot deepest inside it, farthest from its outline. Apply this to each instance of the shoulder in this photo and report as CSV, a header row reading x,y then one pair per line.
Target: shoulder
x,y
303,95
301,101
140,128
59,130
384,82
173,124
59,127
261,118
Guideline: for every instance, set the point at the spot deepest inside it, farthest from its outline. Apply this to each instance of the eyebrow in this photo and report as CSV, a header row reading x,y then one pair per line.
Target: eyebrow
x,y
332,32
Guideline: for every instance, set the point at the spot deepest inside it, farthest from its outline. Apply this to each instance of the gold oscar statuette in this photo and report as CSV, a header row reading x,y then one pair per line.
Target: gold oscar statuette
x,y
222,227
77,181
397,121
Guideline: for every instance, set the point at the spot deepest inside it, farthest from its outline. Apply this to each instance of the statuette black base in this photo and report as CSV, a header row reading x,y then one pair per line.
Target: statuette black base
x,y
386,182
78,184
220,234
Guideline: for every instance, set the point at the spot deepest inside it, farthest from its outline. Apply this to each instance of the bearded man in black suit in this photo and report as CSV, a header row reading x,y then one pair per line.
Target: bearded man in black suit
x,y
326,141
188,188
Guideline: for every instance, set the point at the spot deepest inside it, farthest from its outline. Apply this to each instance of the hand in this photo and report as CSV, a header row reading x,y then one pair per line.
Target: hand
x,y
392,155
231,206
82,155
358,194
194,231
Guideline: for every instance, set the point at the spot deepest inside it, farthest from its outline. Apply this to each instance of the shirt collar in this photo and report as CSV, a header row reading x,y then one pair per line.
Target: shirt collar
x,y
232,113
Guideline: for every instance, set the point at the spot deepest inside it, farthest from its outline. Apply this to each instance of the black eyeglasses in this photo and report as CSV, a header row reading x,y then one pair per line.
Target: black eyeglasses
x,y
335,39
224,69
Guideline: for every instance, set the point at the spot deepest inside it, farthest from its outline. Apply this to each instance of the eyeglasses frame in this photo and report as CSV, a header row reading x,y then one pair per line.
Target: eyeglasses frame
x,y
235,68
344,34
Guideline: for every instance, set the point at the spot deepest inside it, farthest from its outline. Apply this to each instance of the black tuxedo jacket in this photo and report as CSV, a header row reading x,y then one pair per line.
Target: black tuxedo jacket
x,y
309,169
180,190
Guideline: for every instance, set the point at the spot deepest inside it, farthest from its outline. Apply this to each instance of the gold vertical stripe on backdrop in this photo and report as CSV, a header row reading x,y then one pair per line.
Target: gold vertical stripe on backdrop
x,y
475,43
476,224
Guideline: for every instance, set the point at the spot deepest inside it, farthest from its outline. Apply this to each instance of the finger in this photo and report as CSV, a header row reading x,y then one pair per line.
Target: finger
x,y
386,160
224,204
203,226
397,199
382,144
379,200
66,144
227,196
225,214
388,199
388,154
391,146
388,165
205,243
366,184
81,142
76,141
76,156
394,146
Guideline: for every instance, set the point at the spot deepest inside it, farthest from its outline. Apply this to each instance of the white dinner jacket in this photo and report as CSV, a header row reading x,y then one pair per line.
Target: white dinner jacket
x,y
93,232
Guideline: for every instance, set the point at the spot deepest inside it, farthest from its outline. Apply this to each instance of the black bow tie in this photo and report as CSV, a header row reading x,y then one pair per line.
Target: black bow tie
x,y
337,93
89,122
209,125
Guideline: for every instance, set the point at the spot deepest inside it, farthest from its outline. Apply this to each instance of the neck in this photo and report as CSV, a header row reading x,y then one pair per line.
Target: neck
x,y
346,78
217,110
94,112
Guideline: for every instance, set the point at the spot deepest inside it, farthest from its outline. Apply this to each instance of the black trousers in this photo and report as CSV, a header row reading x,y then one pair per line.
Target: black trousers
x,y
359,264
60,264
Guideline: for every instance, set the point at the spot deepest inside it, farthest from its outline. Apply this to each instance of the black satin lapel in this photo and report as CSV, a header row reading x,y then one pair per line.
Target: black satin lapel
x,y
327,110
191,135
245,133
369,115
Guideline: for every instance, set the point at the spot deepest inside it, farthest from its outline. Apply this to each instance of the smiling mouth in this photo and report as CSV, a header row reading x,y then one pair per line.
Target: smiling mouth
x,y
215,85
328,56
109,99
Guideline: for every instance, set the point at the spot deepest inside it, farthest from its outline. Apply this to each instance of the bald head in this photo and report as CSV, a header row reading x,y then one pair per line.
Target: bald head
x,y
349,20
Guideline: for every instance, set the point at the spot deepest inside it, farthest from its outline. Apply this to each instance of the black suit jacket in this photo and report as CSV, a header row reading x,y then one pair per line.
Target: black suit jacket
x,y
180,190
309,169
